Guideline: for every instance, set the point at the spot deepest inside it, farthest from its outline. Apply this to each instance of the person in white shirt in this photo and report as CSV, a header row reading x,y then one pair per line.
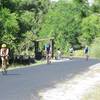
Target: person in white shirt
x,y
58,54
71,51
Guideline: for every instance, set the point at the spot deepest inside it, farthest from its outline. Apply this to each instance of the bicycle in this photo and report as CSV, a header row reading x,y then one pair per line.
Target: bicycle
x,y
71,56
87,57
48,58
4,65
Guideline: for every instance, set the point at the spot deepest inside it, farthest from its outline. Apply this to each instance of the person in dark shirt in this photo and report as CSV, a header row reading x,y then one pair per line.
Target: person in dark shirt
x,y
48,52
86,50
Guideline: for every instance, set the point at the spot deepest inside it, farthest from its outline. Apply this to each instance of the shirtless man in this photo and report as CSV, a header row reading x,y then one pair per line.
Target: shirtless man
x,y
4,57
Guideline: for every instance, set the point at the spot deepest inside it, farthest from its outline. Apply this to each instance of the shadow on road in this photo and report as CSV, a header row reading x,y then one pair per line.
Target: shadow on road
x,y
11,74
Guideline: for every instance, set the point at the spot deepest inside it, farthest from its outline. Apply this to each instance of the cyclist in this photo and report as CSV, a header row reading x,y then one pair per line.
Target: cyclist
x,y
4,57
58,54
86,49
48,52
71,51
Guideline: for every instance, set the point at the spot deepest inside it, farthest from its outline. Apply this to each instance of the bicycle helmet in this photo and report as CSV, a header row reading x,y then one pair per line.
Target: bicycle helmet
x,y
3,46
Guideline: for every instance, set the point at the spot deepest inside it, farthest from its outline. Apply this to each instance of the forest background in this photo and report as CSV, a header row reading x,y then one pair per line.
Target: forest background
x,y
71,22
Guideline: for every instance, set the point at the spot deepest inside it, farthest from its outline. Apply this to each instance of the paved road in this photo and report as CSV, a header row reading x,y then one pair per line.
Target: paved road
x,y
21,84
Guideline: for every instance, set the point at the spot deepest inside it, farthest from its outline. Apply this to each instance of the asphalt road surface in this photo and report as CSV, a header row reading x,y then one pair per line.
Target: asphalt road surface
x,y
22,84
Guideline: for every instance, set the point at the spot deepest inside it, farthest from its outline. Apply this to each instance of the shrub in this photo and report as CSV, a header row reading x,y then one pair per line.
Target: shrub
x,y
78,53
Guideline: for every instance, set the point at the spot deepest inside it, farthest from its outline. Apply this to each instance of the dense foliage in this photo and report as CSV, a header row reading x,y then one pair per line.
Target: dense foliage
x,y
70,22
63,22
17,19
90,28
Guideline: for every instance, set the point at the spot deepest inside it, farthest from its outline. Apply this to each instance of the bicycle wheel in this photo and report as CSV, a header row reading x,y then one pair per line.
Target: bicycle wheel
x,y
4,67
87,57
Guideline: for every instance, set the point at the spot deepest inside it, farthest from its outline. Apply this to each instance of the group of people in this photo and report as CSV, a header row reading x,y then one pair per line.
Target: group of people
x,y
4,54
58,53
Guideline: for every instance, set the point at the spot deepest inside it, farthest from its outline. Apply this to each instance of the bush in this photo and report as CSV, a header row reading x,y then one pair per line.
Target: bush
x,y
78,53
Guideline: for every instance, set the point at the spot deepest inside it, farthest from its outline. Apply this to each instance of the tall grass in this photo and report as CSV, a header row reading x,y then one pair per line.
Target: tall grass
x,y
95,48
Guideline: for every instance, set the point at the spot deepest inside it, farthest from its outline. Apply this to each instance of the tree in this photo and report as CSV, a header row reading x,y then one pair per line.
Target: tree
x,y
83,6
17,17
96,6
26,43
8,25
63,23
90,28
27,21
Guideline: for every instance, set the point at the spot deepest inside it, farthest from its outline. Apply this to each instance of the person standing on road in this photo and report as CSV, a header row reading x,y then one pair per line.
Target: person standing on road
x,y
4,53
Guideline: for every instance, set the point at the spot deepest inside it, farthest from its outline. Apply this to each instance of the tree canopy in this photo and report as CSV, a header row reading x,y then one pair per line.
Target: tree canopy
x,y
63,22
70,22
19,17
